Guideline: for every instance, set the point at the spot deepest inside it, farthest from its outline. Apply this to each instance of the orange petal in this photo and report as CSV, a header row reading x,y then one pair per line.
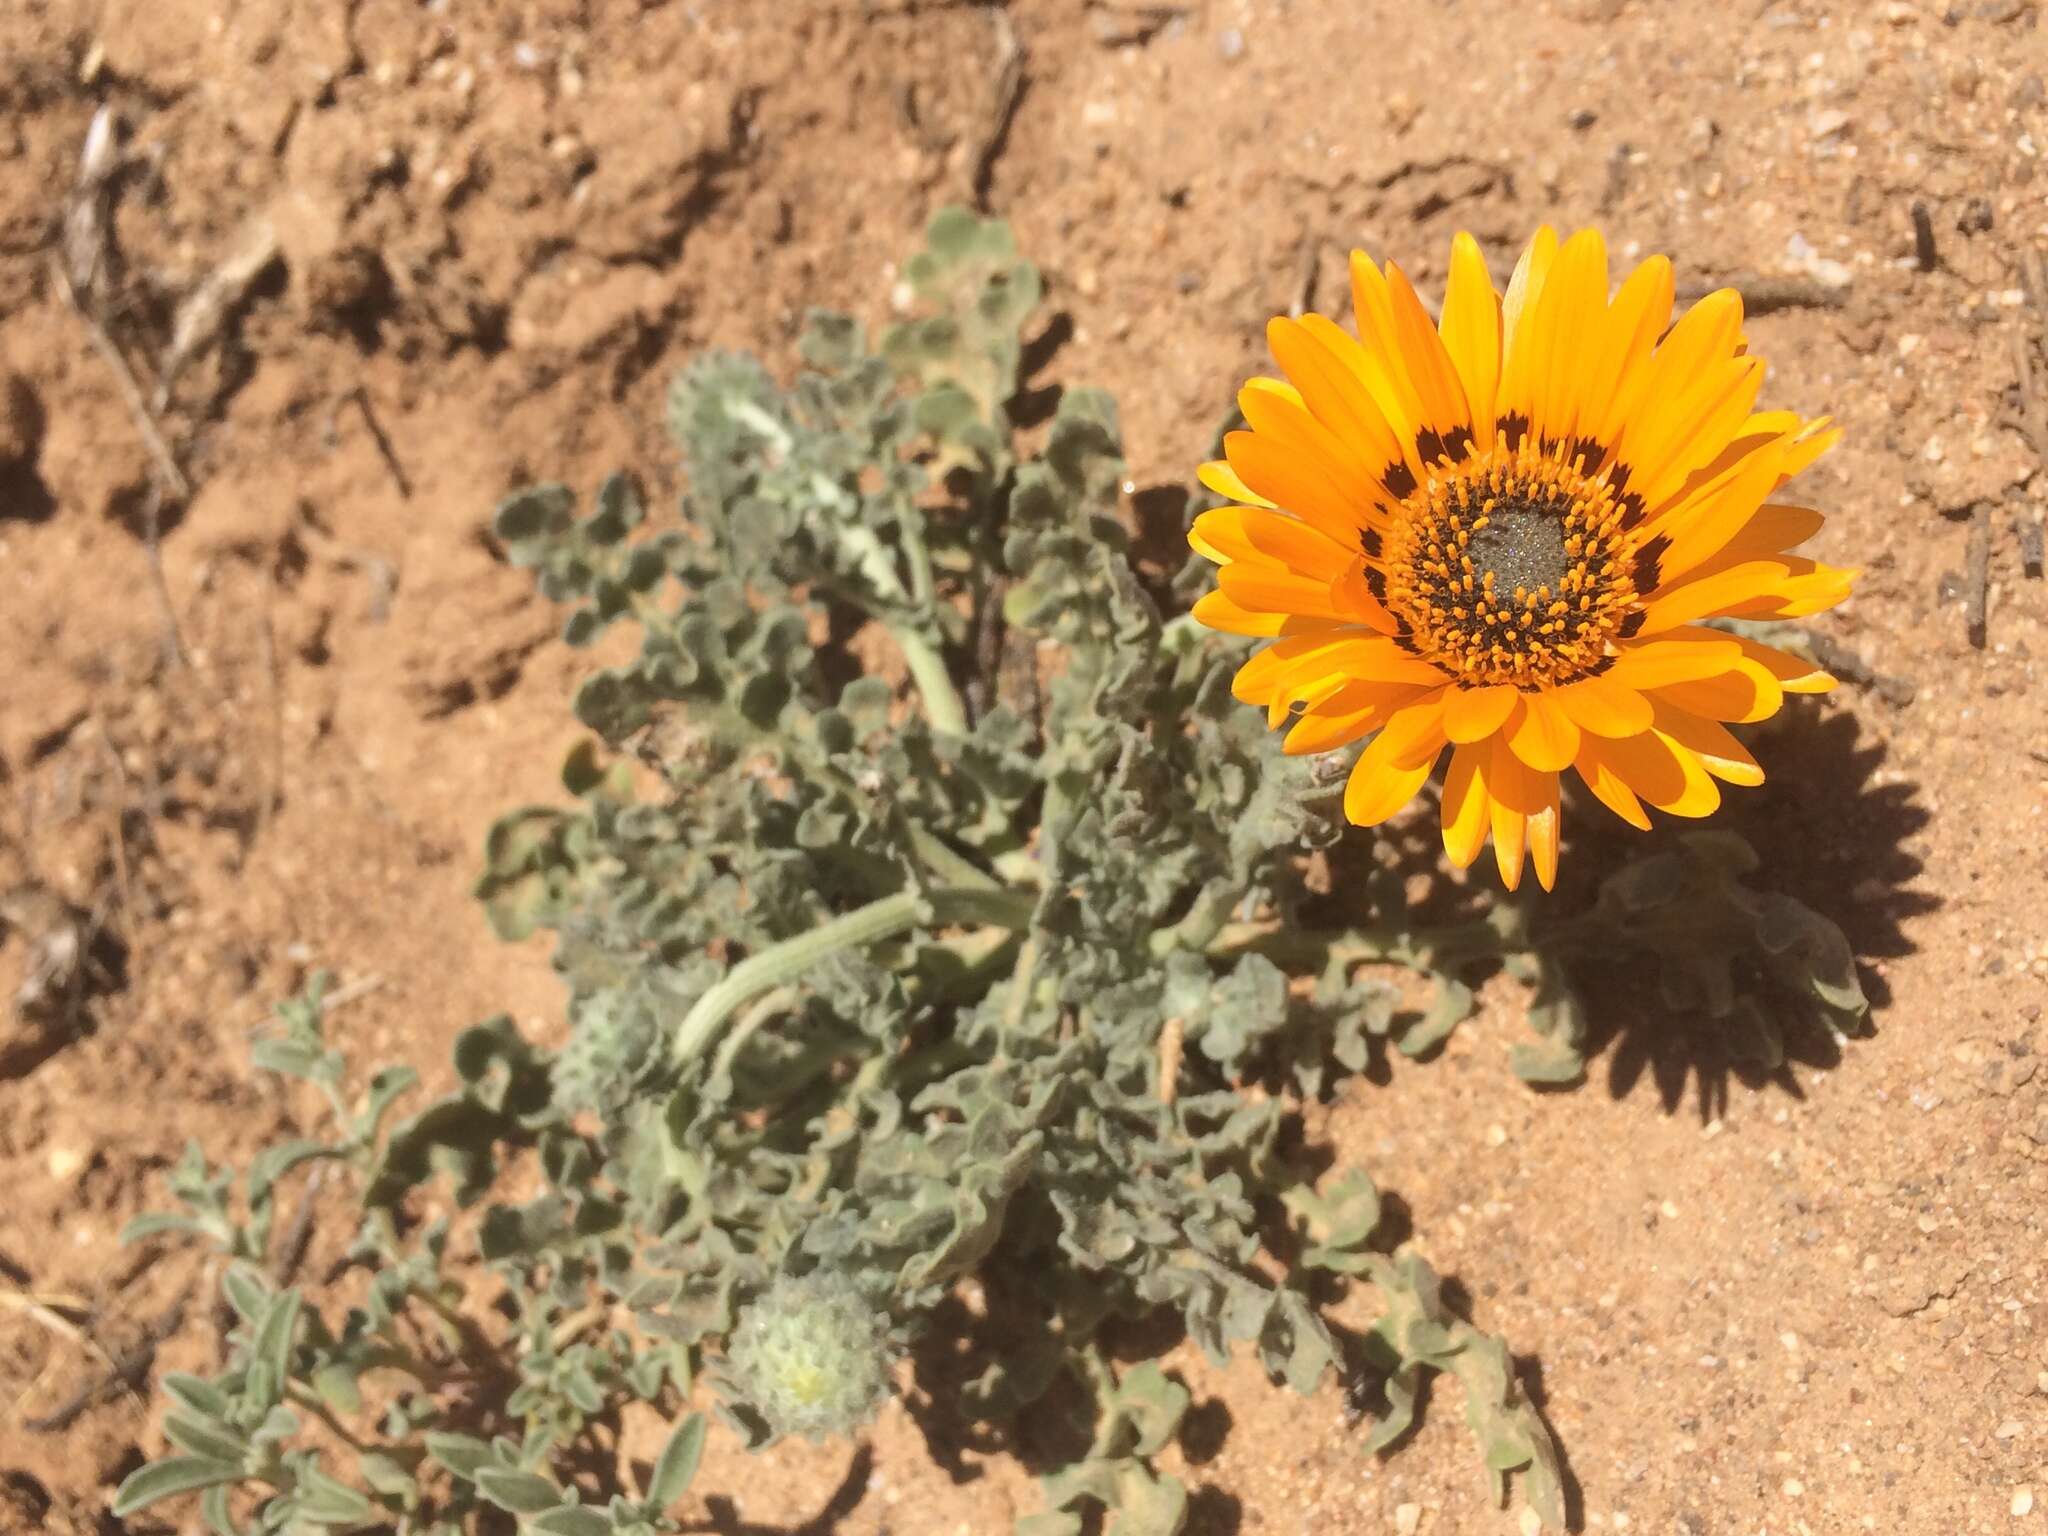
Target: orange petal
x,y
1302,480
1337,383
1269,538
1353,594
1473,714
1712,742
1711,595
1438,389
1372,306
1662,772
1219,610
1748,692
1510,790
1466,802
1346,715
1795,674
1640,313
1686,655
1606,783
1471,332
1267,589
1219,477
1521,356
1395,763
1318,671
1265,672
1543,830
1570,310
1542,734
1605,707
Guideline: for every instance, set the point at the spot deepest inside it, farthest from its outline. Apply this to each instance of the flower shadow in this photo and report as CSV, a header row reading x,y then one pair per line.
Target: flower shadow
x,y
1833,832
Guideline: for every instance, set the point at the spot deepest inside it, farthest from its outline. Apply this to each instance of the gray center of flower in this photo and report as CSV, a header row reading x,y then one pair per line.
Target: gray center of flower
x,y
1520,547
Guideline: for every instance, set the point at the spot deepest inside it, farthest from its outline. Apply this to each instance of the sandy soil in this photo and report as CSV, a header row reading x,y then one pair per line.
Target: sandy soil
x,y
1813,1303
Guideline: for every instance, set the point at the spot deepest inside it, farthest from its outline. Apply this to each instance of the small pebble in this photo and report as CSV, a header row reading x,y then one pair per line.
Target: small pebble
x,y
64,1163
1230,43
2022,1501
1407,1517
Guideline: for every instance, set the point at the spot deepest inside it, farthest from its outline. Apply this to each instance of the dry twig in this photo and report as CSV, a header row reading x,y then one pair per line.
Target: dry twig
x,y
360,398
1977,576
299,1235
204,313
1852,668
1009,90
125,1372
173,477
1173,1037
1764,294
1311,270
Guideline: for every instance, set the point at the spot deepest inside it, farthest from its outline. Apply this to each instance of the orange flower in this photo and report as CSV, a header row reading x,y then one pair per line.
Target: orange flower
x,y
1500,534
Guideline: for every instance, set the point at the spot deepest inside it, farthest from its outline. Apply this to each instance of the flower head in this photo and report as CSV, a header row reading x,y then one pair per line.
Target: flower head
x,y
811,1356
1499,534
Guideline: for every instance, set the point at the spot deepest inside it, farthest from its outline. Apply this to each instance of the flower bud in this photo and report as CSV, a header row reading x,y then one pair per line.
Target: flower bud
x,y
811,1356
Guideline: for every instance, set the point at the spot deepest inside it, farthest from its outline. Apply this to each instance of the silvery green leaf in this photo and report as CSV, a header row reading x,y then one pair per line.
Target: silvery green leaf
x,y
173,1475
463,1455
523,1493
676,1467
197,1394
274,1162
204,1436
247,1291
272,1339
527,517
213,1509
1153,1404
570,1520
325,1501
156,1223
387,1476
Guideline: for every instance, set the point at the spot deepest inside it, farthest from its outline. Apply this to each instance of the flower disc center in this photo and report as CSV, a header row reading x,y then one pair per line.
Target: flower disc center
x,y
1521,548
1512,567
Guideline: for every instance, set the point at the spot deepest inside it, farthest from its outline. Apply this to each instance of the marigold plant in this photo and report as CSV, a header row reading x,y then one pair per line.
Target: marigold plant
x,y
929,1020
1501,533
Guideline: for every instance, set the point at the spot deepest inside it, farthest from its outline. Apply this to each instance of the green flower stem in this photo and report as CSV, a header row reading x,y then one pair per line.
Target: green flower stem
x,y
937,855
311,1401
1101,1381
1206,920
943,706
878,920
1301,948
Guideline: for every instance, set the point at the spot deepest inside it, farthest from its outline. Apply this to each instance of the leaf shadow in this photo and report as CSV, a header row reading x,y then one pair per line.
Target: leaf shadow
x,y
845,1499
1831,829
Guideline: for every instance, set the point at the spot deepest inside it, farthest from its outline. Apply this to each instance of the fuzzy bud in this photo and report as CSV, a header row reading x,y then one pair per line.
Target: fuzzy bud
x,y
811,1356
